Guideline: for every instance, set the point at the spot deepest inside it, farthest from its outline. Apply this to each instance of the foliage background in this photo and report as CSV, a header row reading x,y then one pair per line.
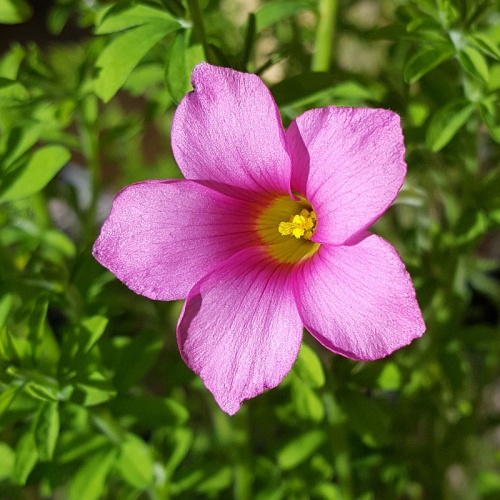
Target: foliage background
x,y
94,398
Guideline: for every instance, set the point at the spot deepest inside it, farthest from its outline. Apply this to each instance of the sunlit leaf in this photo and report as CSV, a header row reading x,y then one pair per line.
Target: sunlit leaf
x,y
7,459
41,167
124,52
14,11
309,368
299,449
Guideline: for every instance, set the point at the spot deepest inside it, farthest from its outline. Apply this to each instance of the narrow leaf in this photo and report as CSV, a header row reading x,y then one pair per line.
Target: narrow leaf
x,y
123,54
474,63
26,458
424,61
42,166
447,122
485,44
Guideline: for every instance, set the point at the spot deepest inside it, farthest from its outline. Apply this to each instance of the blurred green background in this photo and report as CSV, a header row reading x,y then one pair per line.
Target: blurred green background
x,y
95,401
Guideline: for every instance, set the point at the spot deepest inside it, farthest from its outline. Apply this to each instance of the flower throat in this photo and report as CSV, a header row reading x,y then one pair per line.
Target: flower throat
x,y
286,228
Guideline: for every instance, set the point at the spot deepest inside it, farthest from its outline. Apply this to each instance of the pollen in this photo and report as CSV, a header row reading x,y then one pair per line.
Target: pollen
x,y
300,226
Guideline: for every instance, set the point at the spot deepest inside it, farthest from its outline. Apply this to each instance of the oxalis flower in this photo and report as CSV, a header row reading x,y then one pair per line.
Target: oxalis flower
x,y
267,234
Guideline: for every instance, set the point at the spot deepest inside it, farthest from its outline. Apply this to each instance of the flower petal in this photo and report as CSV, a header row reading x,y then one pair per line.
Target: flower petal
x,y
163,236
229,131
349,163
358,300
240,329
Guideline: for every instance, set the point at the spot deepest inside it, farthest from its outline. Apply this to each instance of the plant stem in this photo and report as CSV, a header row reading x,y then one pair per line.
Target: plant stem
x,y
199,27
324,35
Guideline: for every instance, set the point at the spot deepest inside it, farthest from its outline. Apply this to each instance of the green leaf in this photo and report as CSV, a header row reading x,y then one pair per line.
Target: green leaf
x,y
123,54
5,307
11,92
93,392
300,87
150,411
19,141
218,479
308,367
308,404
472,225
14,11
6,398
46,430
37,324
127,15
93,328
10,62
390,377
181,439
41,167
424,61
89,482
137,359
74,445
298,450
474,63
26,458
485,44
271,13
447,122
180,63
135,462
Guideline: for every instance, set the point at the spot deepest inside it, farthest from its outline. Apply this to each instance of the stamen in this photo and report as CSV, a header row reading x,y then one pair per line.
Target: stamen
x,y
300,226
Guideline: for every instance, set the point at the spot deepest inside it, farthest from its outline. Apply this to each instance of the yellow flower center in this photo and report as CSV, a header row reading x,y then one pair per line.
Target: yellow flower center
x,y
286,228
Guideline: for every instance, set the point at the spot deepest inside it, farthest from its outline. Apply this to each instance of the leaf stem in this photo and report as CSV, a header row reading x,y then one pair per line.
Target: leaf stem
x,y
325,33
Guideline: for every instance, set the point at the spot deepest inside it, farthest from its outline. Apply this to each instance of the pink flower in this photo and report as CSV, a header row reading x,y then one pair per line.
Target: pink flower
x,y
267,234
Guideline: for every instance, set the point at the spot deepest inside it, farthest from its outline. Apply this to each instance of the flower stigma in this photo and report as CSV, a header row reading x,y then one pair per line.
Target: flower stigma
x,y
286,227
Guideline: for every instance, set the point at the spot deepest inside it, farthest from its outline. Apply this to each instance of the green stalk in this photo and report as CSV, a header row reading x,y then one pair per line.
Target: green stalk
x,y
199,27
325,35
